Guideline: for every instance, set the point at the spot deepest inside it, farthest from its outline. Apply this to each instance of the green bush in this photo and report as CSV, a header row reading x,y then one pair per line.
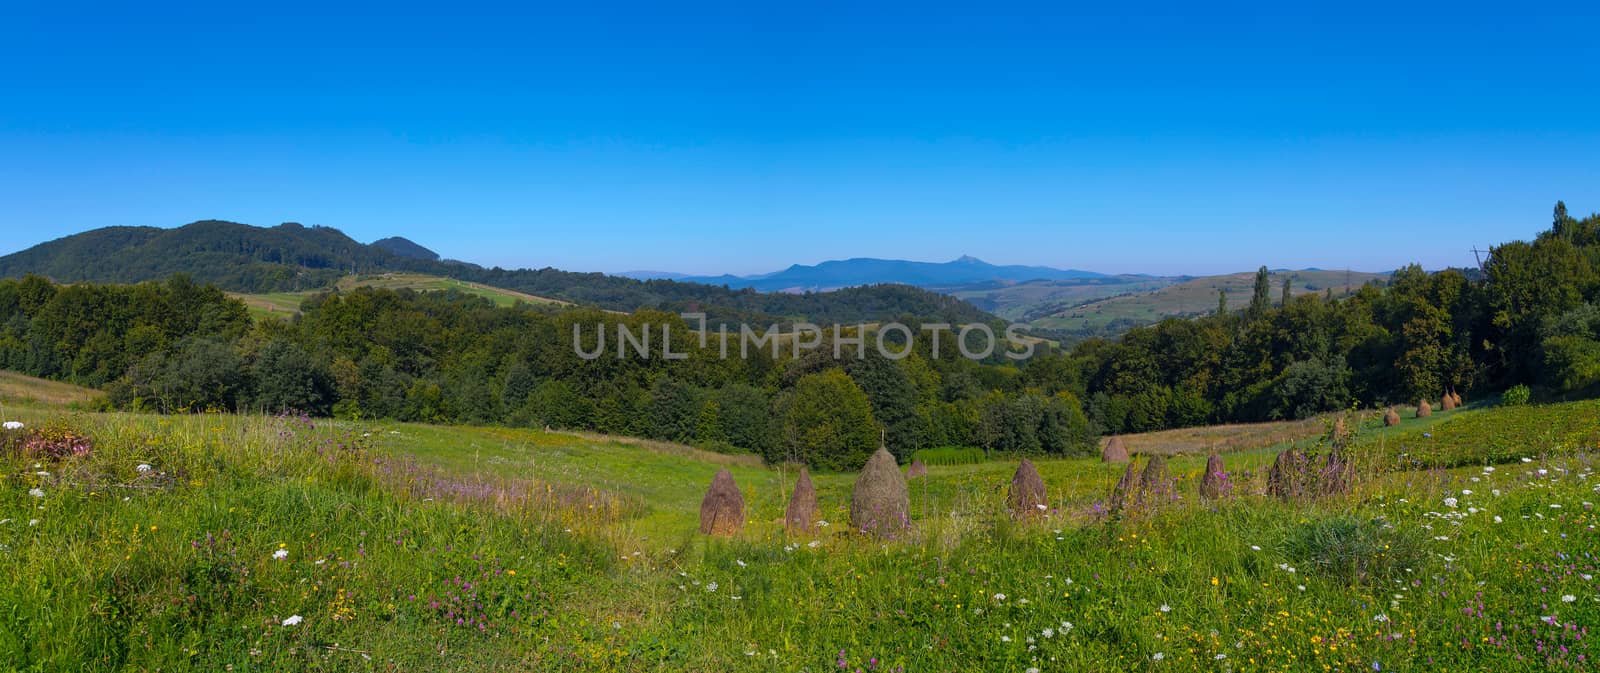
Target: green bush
x,y
1357,551
1515,396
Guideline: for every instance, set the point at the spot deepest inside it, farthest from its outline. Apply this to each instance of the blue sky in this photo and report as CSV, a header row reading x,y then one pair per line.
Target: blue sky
x,y
743,138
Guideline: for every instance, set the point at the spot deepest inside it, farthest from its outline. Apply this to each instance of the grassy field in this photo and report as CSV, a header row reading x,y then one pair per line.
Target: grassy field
x,y
284,304
252,543
1197,297
23,389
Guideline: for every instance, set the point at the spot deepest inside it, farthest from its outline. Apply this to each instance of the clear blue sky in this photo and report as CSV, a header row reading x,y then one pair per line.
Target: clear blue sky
x,y
746,137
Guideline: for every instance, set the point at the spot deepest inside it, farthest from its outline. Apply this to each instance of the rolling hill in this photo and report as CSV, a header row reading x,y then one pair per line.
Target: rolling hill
x,y
291,258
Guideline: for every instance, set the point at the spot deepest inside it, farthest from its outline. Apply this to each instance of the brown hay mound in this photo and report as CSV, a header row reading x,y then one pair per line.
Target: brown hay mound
x,y
1125,487
1114,451
1027,496
722,510
1153,482
1211,481
1287,477
917,469
1459,401
1448,403
1335,475
880,505
801,514
1391,418
1424,409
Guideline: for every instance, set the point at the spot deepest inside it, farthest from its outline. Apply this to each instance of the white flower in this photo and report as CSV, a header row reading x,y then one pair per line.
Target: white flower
x,y
823,523
1157,656
37,493
1497,519
33,522
1041,507
1220,657
1381,618
41,473
1527,460
292,620
999,597
281,554
13,425
1301,587
711,587
1034,669
1048,632
1568,598
1255,547
1005,639
1066,626
1466,491
143,467
740,562
814,544
1165,608
1450,502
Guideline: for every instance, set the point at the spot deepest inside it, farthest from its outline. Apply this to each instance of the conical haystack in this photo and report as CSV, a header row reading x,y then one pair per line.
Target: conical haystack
x,y
1287,477
1114,451
1211,482
722,510
1424,409
1335,475
1391,418
1125,486
1153,482
880,505
1449,402
801,514
917,469
1027,497
1459,401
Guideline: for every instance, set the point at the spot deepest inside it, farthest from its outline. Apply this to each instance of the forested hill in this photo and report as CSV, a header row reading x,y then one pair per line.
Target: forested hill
x,y
293,257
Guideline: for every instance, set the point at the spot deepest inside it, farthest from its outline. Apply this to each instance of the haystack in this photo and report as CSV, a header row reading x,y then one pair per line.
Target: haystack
x,y
1391,418
1449,402
1459,401
1341,432
1027,496
1424,409
1114,451
801,514
1125,486
1335,475
917,469
722,510
1287,478
1153,481
880,505
1211,481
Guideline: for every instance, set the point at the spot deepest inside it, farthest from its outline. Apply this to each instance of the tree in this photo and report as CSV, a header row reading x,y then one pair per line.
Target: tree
x,y
829,424
1288,290
1222,302
1260,299
288,379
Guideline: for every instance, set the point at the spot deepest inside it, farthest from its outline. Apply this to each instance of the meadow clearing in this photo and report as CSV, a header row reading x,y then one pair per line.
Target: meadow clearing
x,y
255,543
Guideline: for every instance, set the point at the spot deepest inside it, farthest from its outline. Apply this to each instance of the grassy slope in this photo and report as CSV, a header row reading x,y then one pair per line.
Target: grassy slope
x,y
119,571
23,389
1198,296
283,304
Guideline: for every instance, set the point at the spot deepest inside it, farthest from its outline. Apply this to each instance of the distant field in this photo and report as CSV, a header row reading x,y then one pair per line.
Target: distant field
x,y
283,304
20,388
1197,297
1013,301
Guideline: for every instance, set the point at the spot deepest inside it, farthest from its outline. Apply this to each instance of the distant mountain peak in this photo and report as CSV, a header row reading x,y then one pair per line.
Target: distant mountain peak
x,y
404,247
969,259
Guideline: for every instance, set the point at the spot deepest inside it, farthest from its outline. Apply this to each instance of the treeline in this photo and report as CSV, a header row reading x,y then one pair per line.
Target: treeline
x,y
448,357
1534,319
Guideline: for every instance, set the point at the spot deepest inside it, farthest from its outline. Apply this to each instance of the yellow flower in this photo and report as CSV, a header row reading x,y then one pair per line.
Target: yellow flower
x,y
1213,581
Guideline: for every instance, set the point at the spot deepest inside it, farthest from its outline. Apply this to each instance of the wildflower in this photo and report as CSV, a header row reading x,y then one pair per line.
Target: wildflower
x,y
1005,639
712,587
1380,618
1165,608
143,467
1157,656
1568,598
33,522
1048,632
999,597
37,493
13,425
281,554
1497,519
1450,502
1255,548
1220,657
740,562
1041,507
292,620
1066,626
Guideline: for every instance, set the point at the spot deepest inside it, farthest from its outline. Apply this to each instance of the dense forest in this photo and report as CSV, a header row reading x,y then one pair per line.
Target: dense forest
x,y
292,257
1533,318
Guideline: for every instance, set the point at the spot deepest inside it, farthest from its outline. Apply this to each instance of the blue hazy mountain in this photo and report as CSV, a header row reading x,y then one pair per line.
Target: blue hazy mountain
x,y
869,271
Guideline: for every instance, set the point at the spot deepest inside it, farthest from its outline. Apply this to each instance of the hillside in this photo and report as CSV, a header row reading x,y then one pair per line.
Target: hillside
x,y
284,304
1012,300
1192,297
291,258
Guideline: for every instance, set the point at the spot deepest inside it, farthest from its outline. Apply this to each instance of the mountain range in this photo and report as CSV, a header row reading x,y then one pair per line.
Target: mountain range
x,y
856,271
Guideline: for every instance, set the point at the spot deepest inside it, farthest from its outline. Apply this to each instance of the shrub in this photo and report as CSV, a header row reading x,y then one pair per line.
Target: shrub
x,y
1515,396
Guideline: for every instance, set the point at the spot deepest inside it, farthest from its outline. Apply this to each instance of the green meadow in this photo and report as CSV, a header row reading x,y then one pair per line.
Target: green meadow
x,y
256,543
